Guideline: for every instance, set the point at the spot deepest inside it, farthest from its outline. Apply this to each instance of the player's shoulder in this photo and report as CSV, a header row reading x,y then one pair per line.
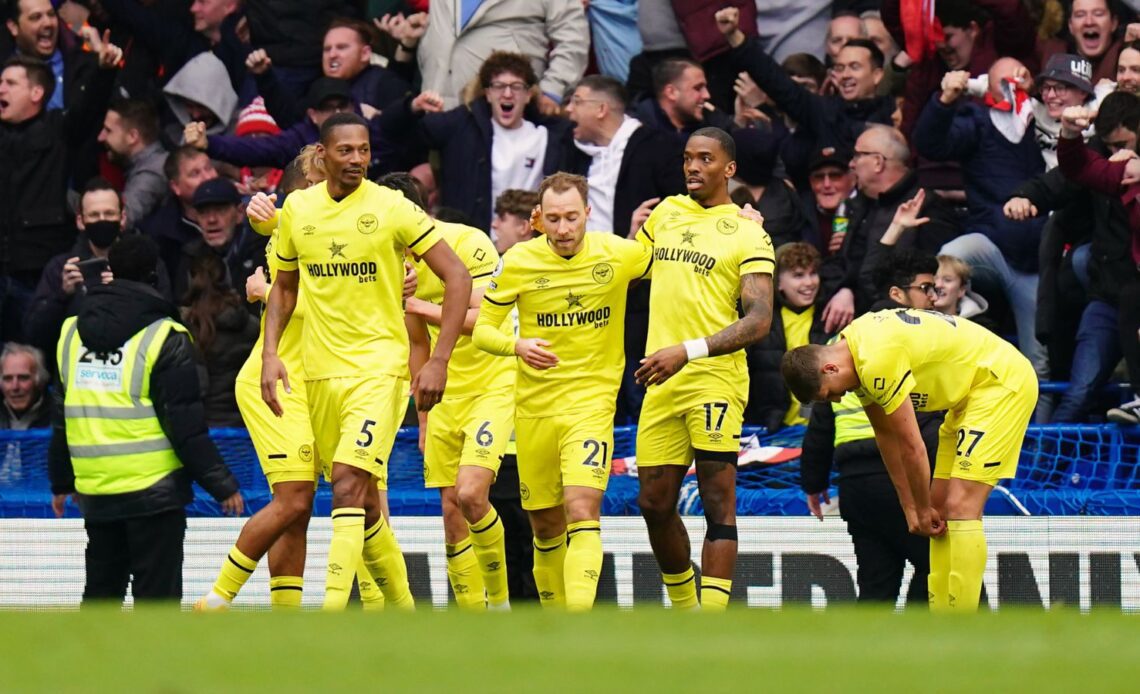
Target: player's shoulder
x,y
304,198
527,250
674,205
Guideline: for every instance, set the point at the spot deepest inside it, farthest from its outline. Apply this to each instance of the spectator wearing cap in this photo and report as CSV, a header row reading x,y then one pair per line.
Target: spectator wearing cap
x,y
773,197
175,222
498,141
326,97
35,29
1063,83
130,134
37,148
884,180
831,185
998,154
347,55
821,121
255,121
223,233
796,321
625,162
552,35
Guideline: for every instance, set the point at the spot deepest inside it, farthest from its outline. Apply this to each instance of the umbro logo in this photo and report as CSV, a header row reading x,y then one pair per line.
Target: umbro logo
x,y
335,569
591,574
542,282
493,566
308,229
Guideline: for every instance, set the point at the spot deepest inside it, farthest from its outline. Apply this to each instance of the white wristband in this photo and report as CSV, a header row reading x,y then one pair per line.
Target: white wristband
x,y
696,349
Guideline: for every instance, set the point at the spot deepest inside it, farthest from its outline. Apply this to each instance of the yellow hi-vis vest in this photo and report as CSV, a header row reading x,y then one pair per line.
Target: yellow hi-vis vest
x,y
851,422
116,441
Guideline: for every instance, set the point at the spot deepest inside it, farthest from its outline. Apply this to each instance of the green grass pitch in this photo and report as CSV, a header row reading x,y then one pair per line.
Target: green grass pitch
x,y
643,650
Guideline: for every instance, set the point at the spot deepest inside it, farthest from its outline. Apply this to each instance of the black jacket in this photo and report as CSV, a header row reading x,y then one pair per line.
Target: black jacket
x,y
868,219
854,458
376,86
784,217
243,254
821,121
768,397
36,222
650,168
109,317
463,137
51,305
650,113
1089,217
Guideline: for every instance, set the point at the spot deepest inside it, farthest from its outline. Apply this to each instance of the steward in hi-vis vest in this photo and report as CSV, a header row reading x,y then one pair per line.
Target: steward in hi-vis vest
x,y
130,433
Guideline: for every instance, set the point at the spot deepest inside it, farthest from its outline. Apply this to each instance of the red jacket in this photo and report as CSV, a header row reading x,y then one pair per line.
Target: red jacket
x,y
1084,166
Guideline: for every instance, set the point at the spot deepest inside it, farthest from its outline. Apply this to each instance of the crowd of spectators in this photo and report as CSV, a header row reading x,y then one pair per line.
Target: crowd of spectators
x,y
995,140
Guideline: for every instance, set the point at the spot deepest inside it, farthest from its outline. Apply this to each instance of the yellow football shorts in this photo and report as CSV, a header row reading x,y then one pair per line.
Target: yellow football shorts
x,y
284,444
355,421
686,418
981,441
566,450
467,431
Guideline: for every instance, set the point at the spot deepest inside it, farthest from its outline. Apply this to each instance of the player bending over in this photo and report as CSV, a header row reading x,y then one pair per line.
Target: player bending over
x,y
905,360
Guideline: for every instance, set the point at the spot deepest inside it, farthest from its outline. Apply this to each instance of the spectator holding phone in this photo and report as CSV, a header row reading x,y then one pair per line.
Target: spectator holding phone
x,y
67,276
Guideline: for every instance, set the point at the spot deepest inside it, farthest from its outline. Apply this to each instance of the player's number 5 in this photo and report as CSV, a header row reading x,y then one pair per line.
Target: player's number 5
x,y
365,439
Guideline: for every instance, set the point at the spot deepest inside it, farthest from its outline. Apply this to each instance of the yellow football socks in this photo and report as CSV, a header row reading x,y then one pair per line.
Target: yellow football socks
x,y
491,551
715,593
236,570
385,562
682,589
371,597
344,554
549,563
285,592
464,575
583,565
938,581
967,564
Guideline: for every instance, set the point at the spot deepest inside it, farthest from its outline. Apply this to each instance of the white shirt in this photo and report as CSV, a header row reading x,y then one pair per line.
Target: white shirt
x,y
517,158
605,165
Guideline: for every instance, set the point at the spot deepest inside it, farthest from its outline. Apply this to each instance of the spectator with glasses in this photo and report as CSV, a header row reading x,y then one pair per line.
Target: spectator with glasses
x,y
496,142
885,182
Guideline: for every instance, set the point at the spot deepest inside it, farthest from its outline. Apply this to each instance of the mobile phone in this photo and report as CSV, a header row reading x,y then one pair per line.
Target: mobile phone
x,y
92,270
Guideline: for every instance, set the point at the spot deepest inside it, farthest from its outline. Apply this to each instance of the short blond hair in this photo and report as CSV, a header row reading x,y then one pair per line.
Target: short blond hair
x,y
958,266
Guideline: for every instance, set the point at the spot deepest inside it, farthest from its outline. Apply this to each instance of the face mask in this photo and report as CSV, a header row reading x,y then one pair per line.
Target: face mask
x,y
102,234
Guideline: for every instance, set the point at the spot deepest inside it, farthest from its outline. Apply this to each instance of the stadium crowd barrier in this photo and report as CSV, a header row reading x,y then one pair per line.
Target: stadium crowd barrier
x,y
1065,470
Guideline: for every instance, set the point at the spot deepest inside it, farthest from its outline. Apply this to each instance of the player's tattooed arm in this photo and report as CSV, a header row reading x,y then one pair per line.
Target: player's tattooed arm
x,y
756,298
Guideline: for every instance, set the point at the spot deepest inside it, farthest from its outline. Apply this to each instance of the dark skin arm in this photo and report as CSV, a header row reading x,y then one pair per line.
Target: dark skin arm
x,y
755,296
418,353
278,311
428,384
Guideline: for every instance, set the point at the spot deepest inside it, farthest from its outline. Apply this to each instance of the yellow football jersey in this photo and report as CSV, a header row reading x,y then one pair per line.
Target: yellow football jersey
x,y
289,347
577,304
932,358
699,256
351,257
471,371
